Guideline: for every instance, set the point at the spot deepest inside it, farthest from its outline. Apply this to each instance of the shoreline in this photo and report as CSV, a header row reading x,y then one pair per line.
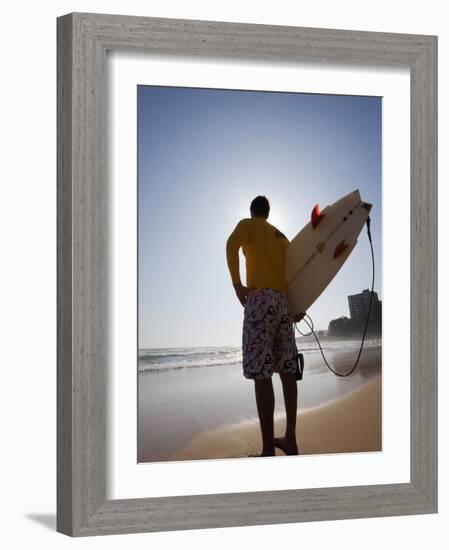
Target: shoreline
x,y
176,406
350,423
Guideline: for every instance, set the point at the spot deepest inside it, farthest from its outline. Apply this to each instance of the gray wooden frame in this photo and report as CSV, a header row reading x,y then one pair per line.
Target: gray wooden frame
x,y
83,40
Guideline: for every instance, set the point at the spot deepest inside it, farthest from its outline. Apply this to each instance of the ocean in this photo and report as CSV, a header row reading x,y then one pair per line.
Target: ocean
x,y
167,359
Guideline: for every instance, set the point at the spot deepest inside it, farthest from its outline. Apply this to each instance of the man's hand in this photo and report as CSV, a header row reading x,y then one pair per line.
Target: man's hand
x,y
242,292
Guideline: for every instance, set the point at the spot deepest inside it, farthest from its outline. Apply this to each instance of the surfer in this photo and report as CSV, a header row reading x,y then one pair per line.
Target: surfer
x,y
268,340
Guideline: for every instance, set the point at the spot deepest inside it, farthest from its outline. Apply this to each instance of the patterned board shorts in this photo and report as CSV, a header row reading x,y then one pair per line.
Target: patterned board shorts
x,y
268,340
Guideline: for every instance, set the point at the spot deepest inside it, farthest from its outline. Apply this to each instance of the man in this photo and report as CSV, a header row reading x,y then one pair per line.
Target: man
x,y
268,340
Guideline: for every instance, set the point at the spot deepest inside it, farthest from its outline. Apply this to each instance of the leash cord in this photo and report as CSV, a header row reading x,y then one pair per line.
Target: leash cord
x,y
308,320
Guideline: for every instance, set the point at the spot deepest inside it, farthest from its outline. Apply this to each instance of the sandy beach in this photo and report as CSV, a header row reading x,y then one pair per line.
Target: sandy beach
x,y
349,424
210,412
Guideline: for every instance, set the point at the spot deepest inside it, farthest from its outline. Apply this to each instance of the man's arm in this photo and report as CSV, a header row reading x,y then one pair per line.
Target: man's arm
x,y
235,241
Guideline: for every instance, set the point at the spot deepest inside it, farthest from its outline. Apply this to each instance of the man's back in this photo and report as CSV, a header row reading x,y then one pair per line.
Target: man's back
x,y
264,249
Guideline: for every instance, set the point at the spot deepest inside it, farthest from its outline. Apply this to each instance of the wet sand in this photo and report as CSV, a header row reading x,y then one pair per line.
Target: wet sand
x,y
351,423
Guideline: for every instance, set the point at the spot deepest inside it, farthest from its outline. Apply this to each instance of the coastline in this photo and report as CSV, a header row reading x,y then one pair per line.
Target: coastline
x,y
351,423
175,407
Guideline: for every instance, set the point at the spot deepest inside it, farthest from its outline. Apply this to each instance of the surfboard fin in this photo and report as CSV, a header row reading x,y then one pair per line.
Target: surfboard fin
x,y
340,248
317,216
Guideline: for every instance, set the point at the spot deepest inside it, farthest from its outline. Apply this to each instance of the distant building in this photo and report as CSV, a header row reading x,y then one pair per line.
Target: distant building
x,y
344,327
359,304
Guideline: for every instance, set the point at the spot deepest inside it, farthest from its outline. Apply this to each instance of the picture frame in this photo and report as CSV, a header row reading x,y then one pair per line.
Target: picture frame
x,y
82,230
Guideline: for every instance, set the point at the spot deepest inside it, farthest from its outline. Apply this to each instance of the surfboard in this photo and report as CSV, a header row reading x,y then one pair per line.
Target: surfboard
x,y
319,250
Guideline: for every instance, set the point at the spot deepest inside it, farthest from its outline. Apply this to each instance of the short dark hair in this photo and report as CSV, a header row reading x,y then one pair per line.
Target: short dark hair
x,y
260,206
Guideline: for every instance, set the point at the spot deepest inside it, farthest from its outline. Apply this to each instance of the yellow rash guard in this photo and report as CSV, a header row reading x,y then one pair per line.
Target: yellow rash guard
x,y
264,249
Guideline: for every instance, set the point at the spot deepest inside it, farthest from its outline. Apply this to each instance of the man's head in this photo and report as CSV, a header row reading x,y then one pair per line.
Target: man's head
x,y
260,207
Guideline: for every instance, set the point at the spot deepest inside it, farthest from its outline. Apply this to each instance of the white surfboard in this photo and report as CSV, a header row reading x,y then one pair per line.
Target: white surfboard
x,y
318,251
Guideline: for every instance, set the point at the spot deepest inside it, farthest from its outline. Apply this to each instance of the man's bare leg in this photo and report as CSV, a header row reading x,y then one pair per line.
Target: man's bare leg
x,y
265,409
290,390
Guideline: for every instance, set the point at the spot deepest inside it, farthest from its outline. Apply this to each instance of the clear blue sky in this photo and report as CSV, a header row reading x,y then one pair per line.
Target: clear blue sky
x,y
203,155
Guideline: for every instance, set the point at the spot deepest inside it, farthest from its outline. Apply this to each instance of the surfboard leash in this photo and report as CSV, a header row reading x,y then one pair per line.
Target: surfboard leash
x,y
308,320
